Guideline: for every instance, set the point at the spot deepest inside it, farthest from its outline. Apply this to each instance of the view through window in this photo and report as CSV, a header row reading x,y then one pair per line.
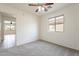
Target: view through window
x,y
56,23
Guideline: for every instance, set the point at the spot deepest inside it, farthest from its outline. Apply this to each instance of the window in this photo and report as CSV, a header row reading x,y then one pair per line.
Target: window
x,y
52,24
56,23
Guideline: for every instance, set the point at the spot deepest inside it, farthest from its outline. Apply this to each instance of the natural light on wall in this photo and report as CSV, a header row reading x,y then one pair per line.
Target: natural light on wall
x,y
56,23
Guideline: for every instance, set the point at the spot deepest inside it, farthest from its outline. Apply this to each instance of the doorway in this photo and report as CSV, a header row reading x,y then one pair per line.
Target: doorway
x,y
8,31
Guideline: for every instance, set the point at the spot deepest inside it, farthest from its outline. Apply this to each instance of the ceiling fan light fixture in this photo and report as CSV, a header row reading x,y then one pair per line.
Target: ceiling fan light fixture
x,y
36,10
39,8
42,8
49,7
45,10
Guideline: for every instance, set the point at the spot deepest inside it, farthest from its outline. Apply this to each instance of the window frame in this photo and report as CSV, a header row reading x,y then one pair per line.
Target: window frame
x,y
55,23
49,24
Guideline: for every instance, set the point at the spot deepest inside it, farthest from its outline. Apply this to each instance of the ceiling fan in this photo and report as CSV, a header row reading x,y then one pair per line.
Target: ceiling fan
x,y
41,6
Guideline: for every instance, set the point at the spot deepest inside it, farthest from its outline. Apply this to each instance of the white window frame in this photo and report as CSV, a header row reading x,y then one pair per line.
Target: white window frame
x,y
55,23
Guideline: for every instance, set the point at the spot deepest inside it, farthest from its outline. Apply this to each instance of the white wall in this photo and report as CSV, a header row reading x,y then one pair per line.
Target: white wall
x,y
26,24
70,36
0,27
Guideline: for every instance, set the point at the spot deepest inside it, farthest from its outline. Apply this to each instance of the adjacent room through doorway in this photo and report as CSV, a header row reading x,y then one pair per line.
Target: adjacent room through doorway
x,y
8,31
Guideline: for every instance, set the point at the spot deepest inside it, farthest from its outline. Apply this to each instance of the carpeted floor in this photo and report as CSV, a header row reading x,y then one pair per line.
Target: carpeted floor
x,y
38,48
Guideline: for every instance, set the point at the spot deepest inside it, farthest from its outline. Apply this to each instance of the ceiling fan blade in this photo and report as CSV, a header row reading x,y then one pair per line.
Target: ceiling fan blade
x,y
40,4
36,10
32,4
36,4
45,9
49,6
49,3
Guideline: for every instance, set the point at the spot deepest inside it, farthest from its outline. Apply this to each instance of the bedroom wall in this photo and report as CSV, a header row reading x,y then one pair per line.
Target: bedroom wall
x,y
70,36
26,24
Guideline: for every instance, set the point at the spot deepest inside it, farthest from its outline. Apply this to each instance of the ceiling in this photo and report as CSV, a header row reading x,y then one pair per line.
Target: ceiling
x,y
31,9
